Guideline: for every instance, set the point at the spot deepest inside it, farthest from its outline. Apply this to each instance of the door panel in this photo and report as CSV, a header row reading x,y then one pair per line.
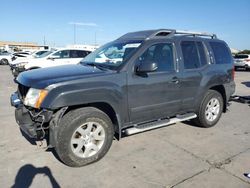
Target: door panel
x,y
153,97
156,94
194,61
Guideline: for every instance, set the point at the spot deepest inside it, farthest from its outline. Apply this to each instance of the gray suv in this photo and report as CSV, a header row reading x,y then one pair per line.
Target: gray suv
x,y
141,81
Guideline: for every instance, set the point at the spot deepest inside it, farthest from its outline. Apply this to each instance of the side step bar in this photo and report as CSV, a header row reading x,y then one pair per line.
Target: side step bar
x,y
162,123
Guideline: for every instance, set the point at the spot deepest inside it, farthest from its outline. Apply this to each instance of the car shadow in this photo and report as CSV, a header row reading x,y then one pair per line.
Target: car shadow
x,y
240,99
27,173
246,84
53,151
192,124
33,141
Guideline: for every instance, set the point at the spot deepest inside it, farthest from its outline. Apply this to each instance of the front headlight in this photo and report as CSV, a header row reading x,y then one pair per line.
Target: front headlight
x,y
21,64
35,97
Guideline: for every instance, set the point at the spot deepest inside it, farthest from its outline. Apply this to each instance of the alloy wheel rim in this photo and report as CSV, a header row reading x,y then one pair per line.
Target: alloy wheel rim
x,y
87,139
212,109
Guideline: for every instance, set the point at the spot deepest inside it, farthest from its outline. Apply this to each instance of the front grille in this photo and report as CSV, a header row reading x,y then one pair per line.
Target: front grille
x,y
22,90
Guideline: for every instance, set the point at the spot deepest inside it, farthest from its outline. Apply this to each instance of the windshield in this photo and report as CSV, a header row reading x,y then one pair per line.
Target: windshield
x,y
44,54
112,54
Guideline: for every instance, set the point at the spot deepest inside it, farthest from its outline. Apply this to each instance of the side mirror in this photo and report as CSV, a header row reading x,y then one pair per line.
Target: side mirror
x,y
51,58
147,66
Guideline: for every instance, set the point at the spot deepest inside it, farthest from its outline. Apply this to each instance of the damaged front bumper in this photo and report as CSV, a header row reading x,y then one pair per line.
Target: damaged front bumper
x,y
33,122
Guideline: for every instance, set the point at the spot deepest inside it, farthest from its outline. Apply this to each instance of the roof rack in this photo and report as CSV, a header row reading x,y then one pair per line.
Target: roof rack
x,y
172,32
168,33
195,33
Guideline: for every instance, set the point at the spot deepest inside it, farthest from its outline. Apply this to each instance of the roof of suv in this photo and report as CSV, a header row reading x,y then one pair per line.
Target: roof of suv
x,y
166,33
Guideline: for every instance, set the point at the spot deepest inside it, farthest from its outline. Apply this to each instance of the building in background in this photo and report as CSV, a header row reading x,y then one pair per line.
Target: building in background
x,y
234,51
20,46
83,47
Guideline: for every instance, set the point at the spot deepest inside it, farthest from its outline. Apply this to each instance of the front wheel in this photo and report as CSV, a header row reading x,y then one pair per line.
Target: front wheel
x,y
4,62
84,136
210,109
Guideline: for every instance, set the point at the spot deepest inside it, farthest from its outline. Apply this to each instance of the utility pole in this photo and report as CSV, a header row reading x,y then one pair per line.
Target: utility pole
x,y
95,38
44,40
74,33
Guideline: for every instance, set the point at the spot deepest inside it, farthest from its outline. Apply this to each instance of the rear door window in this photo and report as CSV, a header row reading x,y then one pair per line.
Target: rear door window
x,y
190,55
202,54
221,53
78,53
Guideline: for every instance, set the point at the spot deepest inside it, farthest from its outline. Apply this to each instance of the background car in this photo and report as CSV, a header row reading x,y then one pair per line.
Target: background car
x,y
60,57
21,55
37,54
242,61
5,58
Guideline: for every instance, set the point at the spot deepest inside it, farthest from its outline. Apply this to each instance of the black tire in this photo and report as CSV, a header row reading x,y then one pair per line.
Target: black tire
x,y
67,127
201,119
4,61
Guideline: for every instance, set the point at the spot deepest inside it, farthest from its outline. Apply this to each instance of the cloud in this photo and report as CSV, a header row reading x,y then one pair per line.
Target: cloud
x,y
89,24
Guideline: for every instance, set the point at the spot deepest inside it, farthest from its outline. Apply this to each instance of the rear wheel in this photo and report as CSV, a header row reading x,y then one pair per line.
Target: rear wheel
x,y
84,136
210,109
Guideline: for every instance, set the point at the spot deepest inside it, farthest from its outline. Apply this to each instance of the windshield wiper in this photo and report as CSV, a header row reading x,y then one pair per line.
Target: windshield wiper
x,y
97,65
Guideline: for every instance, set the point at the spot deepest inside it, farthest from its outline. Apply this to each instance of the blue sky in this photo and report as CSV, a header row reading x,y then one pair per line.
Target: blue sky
x,y
30,20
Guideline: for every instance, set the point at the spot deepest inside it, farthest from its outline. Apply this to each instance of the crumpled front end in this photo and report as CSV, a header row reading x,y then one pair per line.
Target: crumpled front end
x,y
33,122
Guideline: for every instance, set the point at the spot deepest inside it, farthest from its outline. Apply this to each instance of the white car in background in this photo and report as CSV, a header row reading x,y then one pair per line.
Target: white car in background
x,y
5,58
37,54
242,61
60,57
19,56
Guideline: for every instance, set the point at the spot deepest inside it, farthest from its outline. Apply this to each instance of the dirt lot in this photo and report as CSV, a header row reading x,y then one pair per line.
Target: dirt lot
x,y
180,155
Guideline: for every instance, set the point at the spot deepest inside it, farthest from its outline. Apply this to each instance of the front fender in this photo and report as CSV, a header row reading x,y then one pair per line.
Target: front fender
x,y
111,90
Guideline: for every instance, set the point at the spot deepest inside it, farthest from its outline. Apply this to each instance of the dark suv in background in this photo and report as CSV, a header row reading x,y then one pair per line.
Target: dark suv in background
x,y
141,81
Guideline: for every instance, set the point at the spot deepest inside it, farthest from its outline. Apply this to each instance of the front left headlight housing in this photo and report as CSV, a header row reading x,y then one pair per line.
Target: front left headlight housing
x,y
35,97
21,64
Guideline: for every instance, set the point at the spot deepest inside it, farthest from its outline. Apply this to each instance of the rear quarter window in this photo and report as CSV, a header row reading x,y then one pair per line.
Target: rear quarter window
x,y
221,53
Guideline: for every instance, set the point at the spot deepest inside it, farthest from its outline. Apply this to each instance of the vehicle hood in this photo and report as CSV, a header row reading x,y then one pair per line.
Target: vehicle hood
x,y
41,78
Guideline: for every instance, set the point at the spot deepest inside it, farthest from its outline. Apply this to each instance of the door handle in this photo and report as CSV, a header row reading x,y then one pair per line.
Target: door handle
x,y
175,80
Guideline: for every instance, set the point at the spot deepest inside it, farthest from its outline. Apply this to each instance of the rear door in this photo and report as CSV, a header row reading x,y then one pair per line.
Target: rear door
x,y
77,55
194,60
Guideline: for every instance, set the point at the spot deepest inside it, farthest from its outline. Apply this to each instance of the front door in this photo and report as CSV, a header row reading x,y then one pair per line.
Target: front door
x,y
156,94
63,59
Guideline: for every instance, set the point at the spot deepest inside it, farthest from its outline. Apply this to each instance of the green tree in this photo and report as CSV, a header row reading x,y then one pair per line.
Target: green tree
x,y
244,52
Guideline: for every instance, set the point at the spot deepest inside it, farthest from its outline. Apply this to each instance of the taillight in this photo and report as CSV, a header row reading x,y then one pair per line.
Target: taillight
x,y
248,60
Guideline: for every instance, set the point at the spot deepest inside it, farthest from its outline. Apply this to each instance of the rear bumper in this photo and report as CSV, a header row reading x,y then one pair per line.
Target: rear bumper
x,y
30,122
229,89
